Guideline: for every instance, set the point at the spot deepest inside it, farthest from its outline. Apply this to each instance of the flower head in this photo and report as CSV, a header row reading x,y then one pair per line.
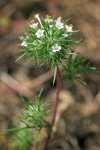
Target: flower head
x,y
56,48
34,25
50,26
59,24
65,34
39,33
24,44
58,19
68,28
48,20
38,18
48,40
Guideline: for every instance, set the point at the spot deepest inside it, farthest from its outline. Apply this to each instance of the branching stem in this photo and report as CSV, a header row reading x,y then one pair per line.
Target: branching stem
x,y
55,105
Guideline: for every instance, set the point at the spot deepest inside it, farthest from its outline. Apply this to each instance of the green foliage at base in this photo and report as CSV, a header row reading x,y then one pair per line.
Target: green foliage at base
x,y
22,140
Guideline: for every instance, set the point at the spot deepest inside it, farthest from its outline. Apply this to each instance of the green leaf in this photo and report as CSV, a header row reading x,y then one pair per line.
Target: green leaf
x,y
22,56
9,131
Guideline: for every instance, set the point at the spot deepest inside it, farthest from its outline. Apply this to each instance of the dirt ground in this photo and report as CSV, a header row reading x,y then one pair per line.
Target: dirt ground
x,y
77,124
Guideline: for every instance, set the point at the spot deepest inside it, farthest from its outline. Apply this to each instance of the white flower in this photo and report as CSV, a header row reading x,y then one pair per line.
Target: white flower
x,y
24,44
34,25
59,24
38,18
68,28
65,35
21,37
50,26
27,37
39,33
48,20
37,15
56,48
58,19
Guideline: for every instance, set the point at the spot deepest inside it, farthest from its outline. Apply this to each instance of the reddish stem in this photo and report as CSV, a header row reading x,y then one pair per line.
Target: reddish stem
x,y
55,105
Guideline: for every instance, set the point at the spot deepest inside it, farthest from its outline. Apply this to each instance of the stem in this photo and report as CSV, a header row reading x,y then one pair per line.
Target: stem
x,y
55,106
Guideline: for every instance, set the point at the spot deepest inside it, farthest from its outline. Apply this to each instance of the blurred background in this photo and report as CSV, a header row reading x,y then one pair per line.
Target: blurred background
x,y
78,116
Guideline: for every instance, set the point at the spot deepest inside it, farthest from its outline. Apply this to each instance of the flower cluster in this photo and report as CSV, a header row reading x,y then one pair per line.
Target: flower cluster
x,y
48,40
